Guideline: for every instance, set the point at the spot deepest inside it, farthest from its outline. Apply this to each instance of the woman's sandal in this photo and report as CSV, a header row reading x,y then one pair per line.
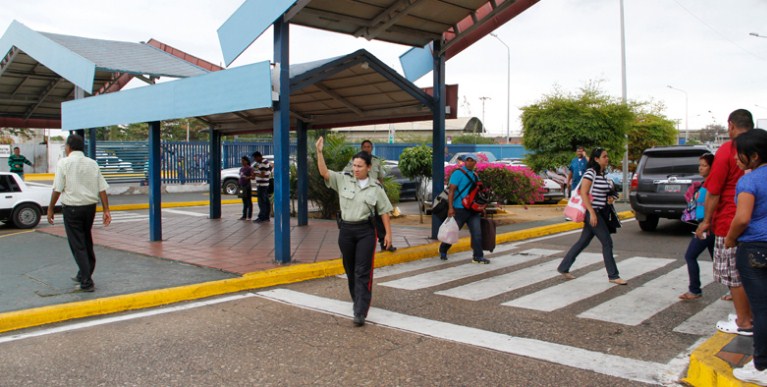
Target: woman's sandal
x,y
690,296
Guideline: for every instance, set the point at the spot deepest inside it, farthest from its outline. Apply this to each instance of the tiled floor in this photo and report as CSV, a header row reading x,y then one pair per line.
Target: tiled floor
x,y
738,352
232,245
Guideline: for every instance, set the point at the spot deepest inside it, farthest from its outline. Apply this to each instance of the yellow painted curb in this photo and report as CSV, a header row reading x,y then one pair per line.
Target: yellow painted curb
x,y
28,318
38,176
706,369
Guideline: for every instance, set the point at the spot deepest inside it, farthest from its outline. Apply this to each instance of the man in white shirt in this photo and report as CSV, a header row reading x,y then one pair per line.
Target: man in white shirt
x,y
79,183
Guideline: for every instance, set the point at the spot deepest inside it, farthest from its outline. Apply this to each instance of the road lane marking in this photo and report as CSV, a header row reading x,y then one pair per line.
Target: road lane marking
x,y
493,286
621,367
125,317
702,323
439,277
649,299
583,287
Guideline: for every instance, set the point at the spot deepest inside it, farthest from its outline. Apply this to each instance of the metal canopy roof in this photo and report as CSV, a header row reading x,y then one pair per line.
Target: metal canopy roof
x,y
39,71
409,22
353,89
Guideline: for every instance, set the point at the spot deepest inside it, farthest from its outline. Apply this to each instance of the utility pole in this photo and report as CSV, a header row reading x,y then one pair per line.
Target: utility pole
x,y
483,99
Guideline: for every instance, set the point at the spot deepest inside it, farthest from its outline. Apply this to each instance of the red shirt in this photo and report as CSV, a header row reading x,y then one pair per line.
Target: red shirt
x,y
721,181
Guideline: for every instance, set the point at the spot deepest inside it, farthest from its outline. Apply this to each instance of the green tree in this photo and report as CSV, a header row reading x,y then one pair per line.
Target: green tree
x,y
24,133
649,129
473,138
556,125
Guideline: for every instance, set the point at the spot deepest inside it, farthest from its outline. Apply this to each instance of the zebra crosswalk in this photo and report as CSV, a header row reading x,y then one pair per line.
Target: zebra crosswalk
x,y
128,216
639,301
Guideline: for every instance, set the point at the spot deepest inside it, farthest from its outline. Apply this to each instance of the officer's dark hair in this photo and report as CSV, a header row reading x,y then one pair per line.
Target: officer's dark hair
x,y
742,119
750,143
245,158
709,157
593,163
256,154
365,156
366,142
75,142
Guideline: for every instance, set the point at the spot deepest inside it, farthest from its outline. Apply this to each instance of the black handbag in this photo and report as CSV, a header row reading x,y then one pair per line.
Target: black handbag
x,y
488,234
611,217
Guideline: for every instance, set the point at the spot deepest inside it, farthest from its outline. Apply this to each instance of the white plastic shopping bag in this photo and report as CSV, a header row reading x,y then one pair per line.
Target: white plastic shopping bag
x,y
448,232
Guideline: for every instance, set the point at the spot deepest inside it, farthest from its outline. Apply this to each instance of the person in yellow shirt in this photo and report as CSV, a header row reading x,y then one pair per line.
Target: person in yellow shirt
x,y
79,184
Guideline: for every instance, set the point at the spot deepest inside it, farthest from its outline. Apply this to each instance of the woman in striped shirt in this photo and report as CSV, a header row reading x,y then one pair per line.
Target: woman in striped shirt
x,y
595,185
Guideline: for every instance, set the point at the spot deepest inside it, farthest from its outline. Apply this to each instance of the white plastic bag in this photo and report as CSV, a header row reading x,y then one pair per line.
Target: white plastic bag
x,y
448,232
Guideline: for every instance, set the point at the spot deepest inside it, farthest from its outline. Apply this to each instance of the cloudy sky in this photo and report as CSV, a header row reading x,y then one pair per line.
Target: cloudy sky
x,y
702,47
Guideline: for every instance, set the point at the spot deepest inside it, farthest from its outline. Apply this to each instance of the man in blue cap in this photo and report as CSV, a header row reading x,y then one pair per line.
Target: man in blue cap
x,y
461,182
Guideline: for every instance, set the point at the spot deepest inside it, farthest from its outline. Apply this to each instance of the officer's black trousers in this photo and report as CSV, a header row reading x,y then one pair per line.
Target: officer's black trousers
x,y
78,221
358,245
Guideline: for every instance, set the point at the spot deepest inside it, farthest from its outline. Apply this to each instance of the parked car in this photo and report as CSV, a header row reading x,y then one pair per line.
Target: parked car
x,y
552,190
408,187
20,204
616,176
112,164
456,157
230,177
660,182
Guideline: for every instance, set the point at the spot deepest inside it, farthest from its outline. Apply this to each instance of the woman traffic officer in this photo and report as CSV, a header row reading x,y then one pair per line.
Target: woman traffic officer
x,y
360,199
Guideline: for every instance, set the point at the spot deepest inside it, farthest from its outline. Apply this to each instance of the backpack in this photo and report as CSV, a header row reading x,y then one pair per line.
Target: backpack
x,y
689,215
478,197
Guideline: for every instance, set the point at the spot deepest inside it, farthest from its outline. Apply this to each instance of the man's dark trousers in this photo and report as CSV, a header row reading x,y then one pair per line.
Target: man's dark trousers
x,y
264,208
78,221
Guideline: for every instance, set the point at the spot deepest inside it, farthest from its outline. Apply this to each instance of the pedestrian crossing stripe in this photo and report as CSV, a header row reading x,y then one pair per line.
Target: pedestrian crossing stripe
x,y
583,287
439,277
505,283
648,299
700,323
127,216
607,364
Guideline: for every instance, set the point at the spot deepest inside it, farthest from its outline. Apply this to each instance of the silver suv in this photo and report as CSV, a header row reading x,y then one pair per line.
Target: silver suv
x,y
660,182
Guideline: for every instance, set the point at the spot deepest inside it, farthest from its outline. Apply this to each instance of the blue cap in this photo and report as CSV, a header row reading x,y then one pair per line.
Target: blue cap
x,y
472,156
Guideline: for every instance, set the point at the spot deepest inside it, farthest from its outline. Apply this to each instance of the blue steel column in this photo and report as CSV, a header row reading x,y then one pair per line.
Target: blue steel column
x,y
281,144
92,143
214,177
438,131
155,198
302,171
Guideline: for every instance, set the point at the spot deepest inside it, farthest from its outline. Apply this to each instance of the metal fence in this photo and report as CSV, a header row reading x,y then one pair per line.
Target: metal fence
x,y
189,162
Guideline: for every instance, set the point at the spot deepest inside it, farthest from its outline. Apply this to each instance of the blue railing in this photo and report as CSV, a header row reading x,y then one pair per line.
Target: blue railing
x,y
189,162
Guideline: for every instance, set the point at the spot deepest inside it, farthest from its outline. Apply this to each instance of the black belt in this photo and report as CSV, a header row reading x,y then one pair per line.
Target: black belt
x,y
358,223
85,205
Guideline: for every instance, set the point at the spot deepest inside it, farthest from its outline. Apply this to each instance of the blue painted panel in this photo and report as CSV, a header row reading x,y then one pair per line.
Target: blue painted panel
x,y
417,62
247,23
237,89
62,61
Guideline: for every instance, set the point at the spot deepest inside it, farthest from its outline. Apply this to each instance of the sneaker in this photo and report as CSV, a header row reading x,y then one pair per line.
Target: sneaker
x,y
241,218
481,260
567,276
359,320
730,326
749,373
89,289
568,219
443,256
619,281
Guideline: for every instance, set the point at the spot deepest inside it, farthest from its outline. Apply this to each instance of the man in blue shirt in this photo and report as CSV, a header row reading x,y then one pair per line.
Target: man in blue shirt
x,y
461,182
577,168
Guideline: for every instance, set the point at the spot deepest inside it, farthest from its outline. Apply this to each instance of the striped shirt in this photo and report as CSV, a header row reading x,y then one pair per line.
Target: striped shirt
x,y
600,188
79,180
263,167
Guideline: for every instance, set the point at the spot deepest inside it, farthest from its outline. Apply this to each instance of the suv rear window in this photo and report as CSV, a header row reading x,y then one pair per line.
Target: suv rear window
x,y
687,165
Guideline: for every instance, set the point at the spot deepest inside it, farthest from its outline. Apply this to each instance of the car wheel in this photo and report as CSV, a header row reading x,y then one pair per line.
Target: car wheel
x,y
230,187
650,224
26,216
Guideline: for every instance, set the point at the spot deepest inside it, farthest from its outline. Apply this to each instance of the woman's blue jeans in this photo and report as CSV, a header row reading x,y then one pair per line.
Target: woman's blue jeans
x,y
694,249
588,233
753,274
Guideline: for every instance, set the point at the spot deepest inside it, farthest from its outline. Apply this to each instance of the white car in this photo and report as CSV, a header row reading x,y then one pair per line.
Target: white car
x,y
230,177
20,204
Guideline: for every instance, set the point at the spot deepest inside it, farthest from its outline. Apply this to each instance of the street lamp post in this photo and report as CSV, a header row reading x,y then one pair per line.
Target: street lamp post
x,y
686,116
508,85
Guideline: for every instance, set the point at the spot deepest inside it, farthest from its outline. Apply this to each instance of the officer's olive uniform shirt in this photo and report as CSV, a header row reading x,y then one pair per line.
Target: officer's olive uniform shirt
x,y
357,203
376,169
79,180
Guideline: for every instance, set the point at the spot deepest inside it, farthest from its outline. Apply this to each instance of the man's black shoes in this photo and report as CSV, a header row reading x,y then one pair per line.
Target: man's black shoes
x,y
359,320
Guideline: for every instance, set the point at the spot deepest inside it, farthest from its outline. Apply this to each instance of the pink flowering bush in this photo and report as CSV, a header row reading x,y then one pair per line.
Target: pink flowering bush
x,y
510,184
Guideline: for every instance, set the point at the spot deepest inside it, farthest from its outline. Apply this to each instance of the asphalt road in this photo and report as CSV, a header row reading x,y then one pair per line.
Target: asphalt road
x,y
432,323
